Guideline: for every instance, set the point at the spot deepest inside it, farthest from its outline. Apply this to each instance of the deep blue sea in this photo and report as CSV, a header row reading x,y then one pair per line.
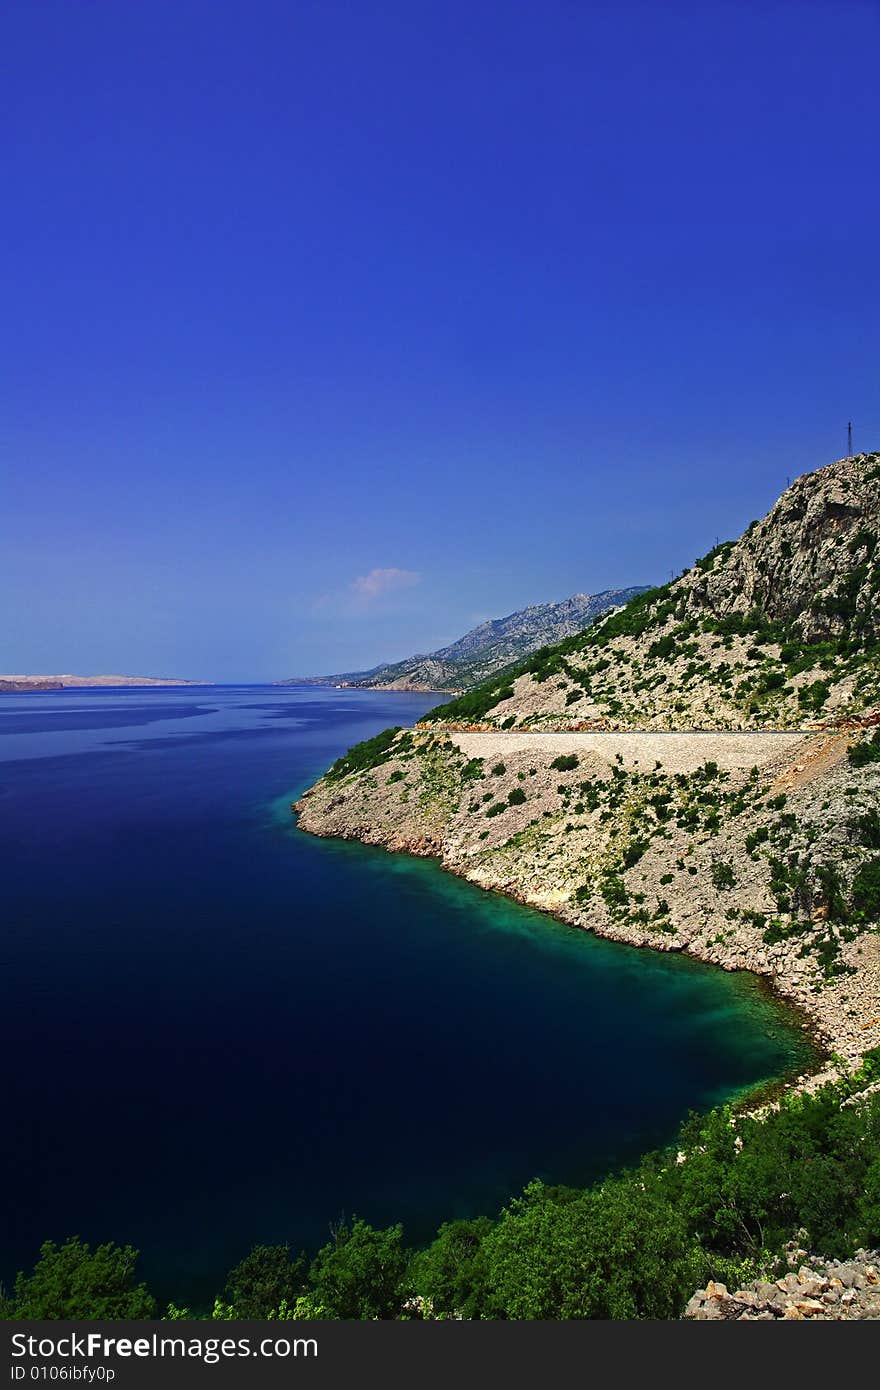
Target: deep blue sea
x,y
217,1030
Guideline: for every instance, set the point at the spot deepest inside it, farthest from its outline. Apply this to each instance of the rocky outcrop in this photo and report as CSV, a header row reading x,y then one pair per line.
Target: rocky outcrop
x,y
821,1290
809,564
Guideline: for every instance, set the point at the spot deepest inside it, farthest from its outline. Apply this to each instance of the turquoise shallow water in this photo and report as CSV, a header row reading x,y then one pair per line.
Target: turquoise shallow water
x,y
226,1031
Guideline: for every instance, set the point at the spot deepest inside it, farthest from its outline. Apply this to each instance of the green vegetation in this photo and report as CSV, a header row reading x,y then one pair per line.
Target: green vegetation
x,y
371,753
641,613
722,875
866,751
360,1274
720,1203
566,762
866,891
74,1281
265,1279
472,770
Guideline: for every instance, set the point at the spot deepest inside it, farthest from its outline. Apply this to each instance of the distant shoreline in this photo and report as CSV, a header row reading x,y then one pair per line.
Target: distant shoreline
x,y
370,689
21,684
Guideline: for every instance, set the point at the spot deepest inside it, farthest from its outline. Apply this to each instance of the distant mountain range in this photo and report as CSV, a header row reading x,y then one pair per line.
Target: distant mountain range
x,y
485,649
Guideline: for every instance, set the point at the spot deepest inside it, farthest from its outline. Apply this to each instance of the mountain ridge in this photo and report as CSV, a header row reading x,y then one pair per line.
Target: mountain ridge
x,y
484,649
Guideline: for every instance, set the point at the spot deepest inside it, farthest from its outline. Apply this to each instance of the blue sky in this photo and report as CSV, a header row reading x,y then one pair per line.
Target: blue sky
x,y
333,328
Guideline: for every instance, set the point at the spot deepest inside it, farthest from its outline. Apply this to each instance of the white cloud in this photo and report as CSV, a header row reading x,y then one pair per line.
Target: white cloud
x,y
368,587
364,593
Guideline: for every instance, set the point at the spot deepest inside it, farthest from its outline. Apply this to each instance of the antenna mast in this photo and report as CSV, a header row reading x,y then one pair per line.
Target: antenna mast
x,y
849,452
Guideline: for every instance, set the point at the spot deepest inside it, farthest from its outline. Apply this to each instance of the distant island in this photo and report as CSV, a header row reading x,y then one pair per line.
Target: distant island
x,y
12,684
486,649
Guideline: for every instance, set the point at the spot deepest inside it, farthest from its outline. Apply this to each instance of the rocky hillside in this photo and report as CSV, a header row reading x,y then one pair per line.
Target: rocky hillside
x,y
766,858
486,649
777,629
749,849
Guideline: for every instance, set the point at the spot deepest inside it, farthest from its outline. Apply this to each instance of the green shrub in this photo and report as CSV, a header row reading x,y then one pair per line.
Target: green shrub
x,y
633,852
866,751
614,891
865,895
723,876
814,696
662,649
618,1251
772,680
472,770
566,762
867,829
516,797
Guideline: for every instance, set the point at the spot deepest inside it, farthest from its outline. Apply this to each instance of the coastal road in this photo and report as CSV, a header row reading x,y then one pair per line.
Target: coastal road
x,y
678,752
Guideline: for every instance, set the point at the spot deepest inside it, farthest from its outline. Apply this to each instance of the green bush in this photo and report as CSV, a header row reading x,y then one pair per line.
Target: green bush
x,y
723,876
662,649
634,852
618,1251
814,696
566,762
867,828
614,891
866,891
866,751
516,797
472,770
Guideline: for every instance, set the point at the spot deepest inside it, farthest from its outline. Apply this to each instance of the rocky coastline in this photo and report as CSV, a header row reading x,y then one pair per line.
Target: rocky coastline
x,y
579,836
